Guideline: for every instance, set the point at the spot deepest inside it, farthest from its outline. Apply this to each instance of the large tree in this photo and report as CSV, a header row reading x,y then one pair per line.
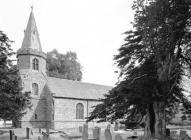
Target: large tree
x,y
63,66
13,102
161,33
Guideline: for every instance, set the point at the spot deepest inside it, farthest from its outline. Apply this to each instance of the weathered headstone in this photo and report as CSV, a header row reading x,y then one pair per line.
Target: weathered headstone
x,y
174,135
182,134
107,133
27,133
15,137
134,133
80,129
116,127
39,138
96,133
39,130
118,137
85,132
13,132
47,130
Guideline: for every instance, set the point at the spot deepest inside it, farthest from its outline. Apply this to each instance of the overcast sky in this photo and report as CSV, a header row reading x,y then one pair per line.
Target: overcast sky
x,y
91,28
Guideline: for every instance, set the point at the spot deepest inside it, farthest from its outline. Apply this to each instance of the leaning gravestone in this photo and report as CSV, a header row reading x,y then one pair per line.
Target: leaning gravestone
x,y
118,137
107,133
85,132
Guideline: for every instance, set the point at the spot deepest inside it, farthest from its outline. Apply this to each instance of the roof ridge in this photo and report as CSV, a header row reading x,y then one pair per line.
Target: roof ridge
x,y
80,82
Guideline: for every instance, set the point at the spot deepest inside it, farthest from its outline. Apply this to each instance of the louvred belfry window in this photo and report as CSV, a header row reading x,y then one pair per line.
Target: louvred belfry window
x,y
35,64
79,111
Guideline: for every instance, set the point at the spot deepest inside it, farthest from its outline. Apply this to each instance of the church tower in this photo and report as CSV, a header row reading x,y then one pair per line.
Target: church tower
x,y
32,68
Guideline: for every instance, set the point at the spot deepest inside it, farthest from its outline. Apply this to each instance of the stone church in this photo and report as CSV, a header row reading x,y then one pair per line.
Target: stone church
x,y
57,103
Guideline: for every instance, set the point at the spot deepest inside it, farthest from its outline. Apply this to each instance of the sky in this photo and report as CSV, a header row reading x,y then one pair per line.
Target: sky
x,y
91,28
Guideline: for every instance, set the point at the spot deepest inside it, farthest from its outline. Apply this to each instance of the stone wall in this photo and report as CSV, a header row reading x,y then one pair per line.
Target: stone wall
x,y
65,113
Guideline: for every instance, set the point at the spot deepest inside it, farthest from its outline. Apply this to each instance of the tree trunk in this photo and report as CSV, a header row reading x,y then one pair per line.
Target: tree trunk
x,y
160,119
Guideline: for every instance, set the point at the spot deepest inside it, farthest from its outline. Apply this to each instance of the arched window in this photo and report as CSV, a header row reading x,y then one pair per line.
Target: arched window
x,y
35,64
35,116
79,111
35,88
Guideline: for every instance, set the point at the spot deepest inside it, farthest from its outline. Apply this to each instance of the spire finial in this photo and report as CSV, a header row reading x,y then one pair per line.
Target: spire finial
x,y
32,8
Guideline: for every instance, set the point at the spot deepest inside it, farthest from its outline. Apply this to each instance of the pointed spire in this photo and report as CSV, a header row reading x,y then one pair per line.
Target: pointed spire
x,y
31,39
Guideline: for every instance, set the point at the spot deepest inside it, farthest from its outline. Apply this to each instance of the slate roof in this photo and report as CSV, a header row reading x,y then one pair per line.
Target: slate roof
x,y
31,37
75,89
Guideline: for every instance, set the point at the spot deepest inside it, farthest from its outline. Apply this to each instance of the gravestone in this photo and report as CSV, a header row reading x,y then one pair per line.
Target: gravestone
x,y
80,129
15,137
39,130
13,132
85,132
182,134
39,138
116,127
27,133
96,133
107,133
174,135
47,130
134,133
118,137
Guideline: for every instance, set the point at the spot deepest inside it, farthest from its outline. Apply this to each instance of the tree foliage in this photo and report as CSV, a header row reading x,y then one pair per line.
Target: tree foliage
x,y
130,99
64,65
13,102
152,62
